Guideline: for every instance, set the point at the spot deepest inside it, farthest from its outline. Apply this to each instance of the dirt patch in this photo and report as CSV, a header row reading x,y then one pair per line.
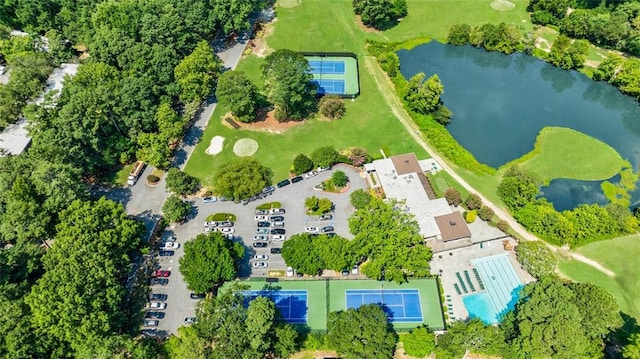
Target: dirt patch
x,y
266,122
364,27
258,45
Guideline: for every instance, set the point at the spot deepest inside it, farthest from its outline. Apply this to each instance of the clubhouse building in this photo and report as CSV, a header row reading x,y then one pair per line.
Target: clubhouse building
x,y
402,178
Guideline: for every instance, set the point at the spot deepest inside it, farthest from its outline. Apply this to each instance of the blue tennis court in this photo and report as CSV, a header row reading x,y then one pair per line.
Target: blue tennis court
x,y
327,67
291,303
401,305
330,86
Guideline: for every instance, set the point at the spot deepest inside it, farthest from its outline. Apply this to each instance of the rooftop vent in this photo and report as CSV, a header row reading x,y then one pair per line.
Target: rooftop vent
x,y
453,223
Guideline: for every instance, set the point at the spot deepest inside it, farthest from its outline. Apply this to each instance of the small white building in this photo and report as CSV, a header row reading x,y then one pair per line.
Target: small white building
x,y
15,138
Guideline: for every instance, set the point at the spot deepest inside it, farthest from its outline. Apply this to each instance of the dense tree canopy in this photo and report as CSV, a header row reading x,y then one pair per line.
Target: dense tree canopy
x,y
424,96
242,178
555,319
536,258
197,73
389,239
310,254
380,14
361,333
360,198
209,260
302,164
566,54
239,93
81,294
288,84
227,328
419,343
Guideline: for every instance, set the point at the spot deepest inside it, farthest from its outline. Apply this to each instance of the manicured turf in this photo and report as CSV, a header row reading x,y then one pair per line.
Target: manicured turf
x,y
369,122
618,255
565,153
433,18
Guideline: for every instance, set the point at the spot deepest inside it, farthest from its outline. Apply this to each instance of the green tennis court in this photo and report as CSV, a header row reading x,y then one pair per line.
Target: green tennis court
x,y
324,296
335,74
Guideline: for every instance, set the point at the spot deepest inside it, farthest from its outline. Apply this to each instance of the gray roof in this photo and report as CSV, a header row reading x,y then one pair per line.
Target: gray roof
x,y
15,138
55,82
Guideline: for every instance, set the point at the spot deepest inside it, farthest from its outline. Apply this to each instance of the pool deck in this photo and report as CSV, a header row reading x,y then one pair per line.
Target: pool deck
x,y
448,263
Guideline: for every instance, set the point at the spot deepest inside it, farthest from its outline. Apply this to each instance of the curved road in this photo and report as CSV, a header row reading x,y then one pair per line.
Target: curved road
x,y
386,87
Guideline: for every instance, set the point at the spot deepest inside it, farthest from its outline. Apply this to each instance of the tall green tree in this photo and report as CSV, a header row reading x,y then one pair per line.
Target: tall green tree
x,y
536,258
389,239
197,73
302,164
242,178
288,84
181,182
472,336
424,96
325,156
175,210
239,93
419,343
361,333
81,295
209,260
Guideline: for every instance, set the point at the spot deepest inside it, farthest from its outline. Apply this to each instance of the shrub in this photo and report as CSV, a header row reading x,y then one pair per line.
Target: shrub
x,y
324,156
390,63
153,179
317,205
360,198
485,213
358,156
473,201
332,107
339,179
459,34
453,196
302,164
470,216
419,343
503,225
536,258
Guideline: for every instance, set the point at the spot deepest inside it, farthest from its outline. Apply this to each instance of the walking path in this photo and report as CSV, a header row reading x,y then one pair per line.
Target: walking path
x,y
386,87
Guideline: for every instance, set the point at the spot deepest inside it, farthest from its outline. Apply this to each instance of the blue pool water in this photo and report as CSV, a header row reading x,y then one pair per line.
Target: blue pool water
x,y
478,307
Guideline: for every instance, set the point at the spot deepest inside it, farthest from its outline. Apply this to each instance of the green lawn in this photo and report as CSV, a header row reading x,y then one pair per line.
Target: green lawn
x,y
618,256
369,122
433,18
565,153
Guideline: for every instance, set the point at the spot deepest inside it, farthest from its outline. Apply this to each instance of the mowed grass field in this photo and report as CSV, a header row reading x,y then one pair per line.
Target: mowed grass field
x,y
566,153
329,25
433,18
618,255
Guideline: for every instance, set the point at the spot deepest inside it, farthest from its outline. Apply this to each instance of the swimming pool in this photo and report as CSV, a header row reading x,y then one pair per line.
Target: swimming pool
x,y
478,307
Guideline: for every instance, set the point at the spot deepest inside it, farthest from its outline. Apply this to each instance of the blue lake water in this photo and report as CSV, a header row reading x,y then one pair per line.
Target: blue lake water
x,y
500,103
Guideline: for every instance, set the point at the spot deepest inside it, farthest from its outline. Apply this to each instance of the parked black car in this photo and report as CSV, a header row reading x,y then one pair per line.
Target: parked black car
x,y
278,231
283,183
158,297
166,253
297,179
197,295
154,315
260,244
158,281
327,229
277,219
263,224
276,250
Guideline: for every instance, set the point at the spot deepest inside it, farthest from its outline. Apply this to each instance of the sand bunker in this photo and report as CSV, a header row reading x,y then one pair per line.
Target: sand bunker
x,y
502,5
245,147
215,146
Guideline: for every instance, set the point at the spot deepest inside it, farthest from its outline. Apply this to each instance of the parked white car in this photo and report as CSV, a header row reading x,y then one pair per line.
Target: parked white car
x,y
260,218
260,257
278,237
168,246
156,305
310,174
312,229
289,271
227,230
260,265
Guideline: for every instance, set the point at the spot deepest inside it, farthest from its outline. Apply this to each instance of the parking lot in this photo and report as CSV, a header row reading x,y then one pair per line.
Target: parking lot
x,y
291,198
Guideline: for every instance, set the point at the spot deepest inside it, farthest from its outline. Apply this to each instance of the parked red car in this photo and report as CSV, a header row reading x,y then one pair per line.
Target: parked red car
x,y
161,273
